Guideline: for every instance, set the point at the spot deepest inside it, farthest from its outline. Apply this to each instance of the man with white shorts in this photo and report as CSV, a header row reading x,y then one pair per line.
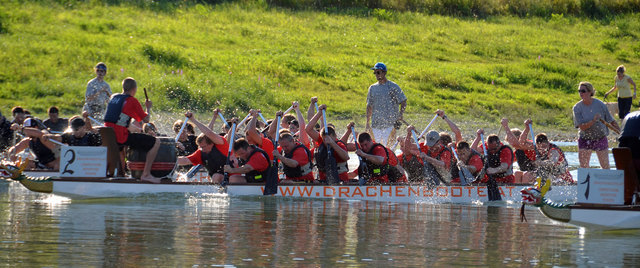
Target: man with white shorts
x,y
383,100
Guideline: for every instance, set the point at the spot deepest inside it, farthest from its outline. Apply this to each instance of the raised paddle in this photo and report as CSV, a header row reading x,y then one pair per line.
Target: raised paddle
x,y
493,192
288,110
332,167
271,184
610,126
363,171
96,121
225,181
263,119
465,175
244,120
146,96
224,121
428,126
186,119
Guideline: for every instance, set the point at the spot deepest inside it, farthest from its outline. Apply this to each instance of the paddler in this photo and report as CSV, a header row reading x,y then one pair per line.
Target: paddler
x,y
552,162
296,160
383,99
524,150
54,122
322,142
499,157
45,158
121,109
382,165
469,159
254,137
409,159
82,134
211,152
187,141
254,163
439,163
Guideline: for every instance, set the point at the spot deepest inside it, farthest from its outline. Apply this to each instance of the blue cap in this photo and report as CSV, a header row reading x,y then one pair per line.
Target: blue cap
x,y
379,66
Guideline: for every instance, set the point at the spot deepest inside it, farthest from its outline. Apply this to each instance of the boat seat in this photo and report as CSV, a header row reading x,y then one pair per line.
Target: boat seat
x,y
624,161
113,152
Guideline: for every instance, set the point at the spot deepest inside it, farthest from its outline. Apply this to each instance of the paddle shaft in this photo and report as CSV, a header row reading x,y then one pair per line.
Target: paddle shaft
x,y
428,126
226,174
244,120
95,121
610,126
288,110
186,119
533,138
363,179
263,119
222,117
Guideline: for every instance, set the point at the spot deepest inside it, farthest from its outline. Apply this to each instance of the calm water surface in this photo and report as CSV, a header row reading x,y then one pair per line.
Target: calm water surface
x,y
195,230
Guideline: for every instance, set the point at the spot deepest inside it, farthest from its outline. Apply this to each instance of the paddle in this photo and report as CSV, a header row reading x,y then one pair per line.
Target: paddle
x,y
363,171
271,184
610,126
332,167
225,181
492,187
465,175
96,121
186,119
146,96
244,120
263,119
427,128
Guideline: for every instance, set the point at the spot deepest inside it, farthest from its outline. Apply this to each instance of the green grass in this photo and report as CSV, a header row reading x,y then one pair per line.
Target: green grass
x,y
249,55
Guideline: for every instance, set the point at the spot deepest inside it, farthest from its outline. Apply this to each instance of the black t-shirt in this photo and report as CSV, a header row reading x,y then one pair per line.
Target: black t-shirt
x,y
6,135
190,146
61,125
89,139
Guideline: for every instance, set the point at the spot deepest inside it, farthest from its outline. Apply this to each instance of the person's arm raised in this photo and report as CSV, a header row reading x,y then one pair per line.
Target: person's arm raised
x,y
452,125
523,141
511,139
253,136
212,123
477,141
217,139
304,138
310,128
274,126
310,111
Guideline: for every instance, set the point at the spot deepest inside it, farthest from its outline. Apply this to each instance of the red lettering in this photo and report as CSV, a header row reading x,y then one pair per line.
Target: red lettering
x,y
427,192
333,191
343,190
415,190
306,191
287,191
501,191
469,188
481,192
357,191
382,191
446,191
510,188
369,188
400,191
459,191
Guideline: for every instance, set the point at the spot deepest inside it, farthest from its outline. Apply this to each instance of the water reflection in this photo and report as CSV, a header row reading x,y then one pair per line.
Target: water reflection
x,y
178,230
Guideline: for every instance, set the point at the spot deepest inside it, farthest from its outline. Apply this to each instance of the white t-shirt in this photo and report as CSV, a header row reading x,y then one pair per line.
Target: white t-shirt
x,y
384,100
100,101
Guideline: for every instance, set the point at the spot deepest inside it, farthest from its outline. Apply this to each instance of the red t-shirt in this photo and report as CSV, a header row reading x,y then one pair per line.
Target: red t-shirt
x,y
300,155
132,108
343,176
474,161
258,162
409,158
267,147
445,157
196,157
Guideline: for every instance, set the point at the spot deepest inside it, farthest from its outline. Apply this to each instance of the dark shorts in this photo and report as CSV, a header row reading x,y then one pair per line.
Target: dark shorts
x,y
139,141
595,145
624,106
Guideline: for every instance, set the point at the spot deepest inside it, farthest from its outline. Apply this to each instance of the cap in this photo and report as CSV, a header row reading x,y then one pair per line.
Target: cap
x,y
432,138
101,66
379,66
77,123
29,122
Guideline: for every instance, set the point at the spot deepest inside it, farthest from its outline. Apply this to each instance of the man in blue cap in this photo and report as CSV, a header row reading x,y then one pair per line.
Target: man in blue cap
x,y
383,100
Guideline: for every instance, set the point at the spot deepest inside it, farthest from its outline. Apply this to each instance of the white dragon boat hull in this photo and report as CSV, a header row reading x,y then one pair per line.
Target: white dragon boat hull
x,y
595,217
401,193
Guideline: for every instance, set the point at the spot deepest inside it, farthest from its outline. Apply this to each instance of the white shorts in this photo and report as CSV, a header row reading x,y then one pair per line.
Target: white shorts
x,y
381,135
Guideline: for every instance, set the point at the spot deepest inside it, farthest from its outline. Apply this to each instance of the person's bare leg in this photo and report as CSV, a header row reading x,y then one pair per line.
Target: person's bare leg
x,y
237,179
217,178
584,156
151,156
603,158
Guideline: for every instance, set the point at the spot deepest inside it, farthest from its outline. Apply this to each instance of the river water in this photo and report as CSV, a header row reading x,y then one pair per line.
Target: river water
x,y
214,230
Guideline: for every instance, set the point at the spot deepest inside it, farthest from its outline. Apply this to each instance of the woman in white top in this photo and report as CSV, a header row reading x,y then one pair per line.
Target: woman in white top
x,y
623,84
98,93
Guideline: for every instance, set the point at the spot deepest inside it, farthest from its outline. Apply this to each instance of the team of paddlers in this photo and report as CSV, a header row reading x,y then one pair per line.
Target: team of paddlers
x,y
307,149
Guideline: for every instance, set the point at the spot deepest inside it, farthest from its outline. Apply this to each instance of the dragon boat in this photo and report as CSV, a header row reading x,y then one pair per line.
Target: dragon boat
x,y
606,198
85,188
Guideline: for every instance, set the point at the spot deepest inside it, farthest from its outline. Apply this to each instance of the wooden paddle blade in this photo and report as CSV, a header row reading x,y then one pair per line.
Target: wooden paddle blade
x,y
271,184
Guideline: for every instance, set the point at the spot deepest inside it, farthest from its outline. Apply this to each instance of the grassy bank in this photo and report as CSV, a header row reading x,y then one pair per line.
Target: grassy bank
x,y
239,56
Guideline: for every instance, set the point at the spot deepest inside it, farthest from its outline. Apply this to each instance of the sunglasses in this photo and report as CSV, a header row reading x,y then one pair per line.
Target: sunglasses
x,y
582,91
377,72
101,71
